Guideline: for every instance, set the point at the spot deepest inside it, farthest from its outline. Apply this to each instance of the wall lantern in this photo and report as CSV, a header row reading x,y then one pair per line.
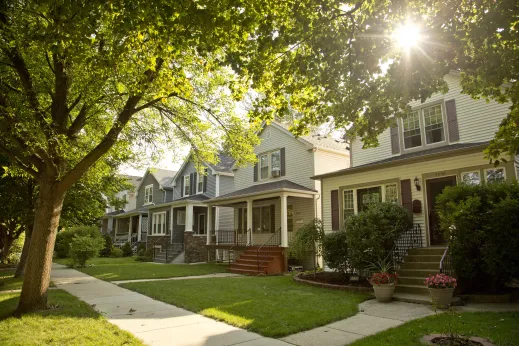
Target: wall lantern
x,y
417,184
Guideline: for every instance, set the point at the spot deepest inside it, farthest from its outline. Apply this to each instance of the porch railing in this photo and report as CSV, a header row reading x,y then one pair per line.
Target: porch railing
x,y
230,237
408,240
263,250
445,263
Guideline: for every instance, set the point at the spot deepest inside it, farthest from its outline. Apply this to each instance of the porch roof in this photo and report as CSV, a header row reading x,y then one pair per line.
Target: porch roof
x,y
133,212
196,199
263,189
112,214
453,149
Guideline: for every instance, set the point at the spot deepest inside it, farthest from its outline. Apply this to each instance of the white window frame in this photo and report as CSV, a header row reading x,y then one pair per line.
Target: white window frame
x,y
269,165
180,218
147,195
158,224
468,172
493,169
199,223
421,127
200,179
261,207
186,177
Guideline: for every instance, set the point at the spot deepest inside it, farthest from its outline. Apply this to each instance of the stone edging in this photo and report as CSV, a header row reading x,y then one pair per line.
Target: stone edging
x,y
300,278
429,338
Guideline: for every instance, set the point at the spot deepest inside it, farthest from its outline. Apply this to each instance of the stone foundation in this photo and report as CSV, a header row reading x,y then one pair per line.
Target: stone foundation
x,y
194,248
151,241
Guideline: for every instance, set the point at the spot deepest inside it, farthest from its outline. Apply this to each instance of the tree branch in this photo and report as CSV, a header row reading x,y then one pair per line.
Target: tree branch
x,y
15,160
59,109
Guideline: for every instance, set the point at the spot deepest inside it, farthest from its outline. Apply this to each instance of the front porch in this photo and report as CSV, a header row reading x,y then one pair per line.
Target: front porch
x,y
132,227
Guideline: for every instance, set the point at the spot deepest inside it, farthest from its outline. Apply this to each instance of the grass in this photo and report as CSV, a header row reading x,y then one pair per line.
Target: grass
x,y
69,322
8,281
501,328
126,268
273,306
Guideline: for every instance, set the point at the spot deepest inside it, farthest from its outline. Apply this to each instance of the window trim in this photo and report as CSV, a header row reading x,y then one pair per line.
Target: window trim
x,y
478,171
493,169
178,218
189,189
421,119
155,216
200,179
197,233
146,202
268,154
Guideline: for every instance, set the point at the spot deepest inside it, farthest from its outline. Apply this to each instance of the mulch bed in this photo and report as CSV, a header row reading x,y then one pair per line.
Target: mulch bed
x,y
334,280
444,340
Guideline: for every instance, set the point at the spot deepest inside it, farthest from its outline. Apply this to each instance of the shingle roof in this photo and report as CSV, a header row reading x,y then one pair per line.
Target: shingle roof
x,y
164,177
405,157
142,209
113,213
224,165
266,187
326,142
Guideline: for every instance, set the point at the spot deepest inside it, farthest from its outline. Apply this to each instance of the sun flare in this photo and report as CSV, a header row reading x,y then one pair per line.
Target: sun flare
x,y
407,36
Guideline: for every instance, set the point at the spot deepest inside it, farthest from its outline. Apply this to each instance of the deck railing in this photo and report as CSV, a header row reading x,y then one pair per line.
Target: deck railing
x,y
263,250
241,240
445,263
408,240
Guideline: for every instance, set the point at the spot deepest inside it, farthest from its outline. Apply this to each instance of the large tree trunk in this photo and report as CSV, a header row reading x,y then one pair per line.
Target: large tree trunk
x,y
41,247
20,270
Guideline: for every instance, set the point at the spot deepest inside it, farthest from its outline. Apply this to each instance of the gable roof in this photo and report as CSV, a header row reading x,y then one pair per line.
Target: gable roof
x,y
163,176
224,165
134,180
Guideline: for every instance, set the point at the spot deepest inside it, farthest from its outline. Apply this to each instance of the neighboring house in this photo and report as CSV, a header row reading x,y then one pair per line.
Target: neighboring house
x,y
131,201
179,224
154,188
439,144
273,198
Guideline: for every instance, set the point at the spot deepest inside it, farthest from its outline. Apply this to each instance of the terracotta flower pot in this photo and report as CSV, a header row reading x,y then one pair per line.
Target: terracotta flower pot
x,y
384,293
441,297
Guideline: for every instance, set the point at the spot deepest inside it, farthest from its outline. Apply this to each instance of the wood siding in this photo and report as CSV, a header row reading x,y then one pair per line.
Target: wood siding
x,y
158,194
188,169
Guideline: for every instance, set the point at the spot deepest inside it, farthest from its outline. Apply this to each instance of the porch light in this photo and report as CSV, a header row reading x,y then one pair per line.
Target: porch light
x,y
417,184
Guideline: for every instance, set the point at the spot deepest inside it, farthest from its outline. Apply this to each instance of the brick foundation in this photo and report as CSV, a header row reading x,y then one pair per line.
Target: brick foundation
x,y
151,241
194,248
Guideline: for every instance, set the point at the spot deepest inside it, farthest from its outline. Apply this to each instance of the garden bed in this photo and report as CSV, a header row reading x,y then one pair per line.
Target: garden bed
x,y
334,280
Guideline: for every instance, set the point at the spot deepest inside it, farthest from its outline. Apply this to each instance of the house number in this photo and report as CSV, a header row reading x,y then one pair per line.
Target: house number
x,y
439,174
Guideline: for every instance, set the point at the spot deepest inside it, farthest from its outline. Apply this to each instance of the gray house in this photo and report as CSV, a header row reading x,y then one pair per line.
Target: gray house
x,y
155,187
179,224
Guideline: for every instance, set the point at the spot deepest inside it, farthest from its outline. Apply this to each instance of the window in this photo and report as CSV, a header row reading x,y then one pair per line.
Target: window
x,y
181,217
158,226
201,224
412,136
366,197
348,203
495,175
290,218
148,194
264,166
433,121
187,185
200,182
275,164
471,178
261,219
391,194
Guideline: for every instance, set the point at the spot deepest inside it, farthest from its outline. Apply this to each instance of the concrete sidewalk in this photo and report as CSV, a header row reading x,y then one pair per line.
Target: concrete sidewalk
x,y
154,322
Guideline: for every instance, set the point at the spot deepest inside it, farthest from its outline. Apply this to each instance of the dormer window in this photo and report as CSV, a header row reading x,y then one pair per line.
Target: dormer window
x,y
425,122
148,194
187,185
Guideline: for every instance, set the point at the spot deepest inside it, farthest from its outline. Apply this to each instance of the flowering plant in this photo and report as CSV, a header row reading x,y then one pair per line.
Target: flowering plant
x,y
383,278
440,281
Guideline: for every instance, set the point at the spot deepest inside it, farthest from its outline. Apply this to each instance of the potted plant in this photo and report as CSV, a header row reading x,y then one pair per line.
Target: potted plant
x,y
441,288
383,280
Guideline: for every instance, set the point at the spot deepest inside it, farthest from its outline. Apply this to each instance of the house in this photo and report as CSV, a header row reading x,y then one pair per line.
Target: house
x,y
273,198
178,225
155,187
107,221
440,143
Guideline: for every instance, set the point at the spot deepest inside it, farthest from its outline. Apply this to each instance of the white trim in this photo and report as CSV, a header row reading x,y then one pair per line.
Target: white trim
x,y
161,224
146,202
184,186
200,178
423,135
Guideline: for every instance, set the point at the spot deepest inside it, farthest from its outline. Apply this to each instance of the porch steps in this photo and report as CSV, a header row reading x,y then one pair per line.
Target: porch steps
x,y
172,251
269,262
417,266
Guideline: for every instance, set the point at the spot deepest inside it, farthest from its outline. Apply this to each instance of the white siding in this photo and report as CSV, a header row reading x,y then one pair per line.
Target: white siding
x,y
477,122
299,163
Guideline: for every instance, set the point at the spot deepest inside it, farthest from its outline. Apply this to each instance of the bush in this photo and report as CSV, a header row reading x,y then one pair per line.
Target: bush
x,y
481,225
64,238
107,250
307,240
142,247
83,248
372,234
144,255
116,252
335,251
127,250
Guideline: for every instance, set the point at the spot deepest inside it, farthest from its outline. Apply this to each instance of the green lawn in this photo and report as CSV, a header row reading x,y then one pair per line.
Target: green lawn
x,y
501,328
126,268
69,322
272,306
8,282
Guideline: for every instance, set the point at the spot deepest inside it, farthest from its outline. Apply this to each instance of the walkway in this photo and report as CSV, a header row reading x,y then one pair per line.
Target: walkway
x,y
154,322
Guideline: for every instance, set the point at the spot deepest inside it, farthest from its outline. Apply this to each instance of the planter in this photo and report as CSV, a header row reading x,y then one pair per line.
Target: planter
x,y
384,293
441,297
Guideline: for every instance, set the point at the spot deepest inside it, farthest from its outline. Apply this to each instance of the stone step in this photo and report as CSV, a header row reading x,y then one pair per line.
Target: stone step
x,y
420,265
423,258
427,251
409,280
413,289
421,273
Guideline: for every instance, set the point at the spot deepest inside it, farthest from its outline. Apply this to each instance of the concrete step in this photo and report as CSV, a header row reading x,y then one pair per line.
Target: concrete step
x,y
420,265
421,273
420,299
249,266
423,258
410,280
245,271
427,251
413,289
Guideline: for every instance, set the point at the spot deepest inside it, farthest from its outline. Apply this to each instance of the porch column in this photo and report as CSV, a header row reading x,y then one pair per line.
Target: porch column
x,y
130,230
189,218
209,224
171,225
139,228
284,224
249,220
116,226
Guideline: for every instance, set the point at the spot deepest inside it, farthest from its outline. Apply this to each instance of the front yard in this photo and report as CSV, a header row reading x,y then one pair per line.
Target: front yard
x,y
8,281
69,321
126,268
501,328
273,306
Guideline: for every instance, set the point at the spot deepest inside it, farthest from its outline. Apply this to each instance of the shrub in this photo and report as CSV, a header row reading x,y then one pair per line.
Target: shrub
x,y
307,240
83,248
64,238
127,250
335,251
481,224
107,250
142,247
144,255
372,234
116,252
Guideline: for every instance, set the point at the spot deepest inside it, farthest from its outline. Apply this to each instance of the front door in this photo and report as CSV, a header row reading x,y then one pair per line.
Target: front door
x,y
434,188
201,223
